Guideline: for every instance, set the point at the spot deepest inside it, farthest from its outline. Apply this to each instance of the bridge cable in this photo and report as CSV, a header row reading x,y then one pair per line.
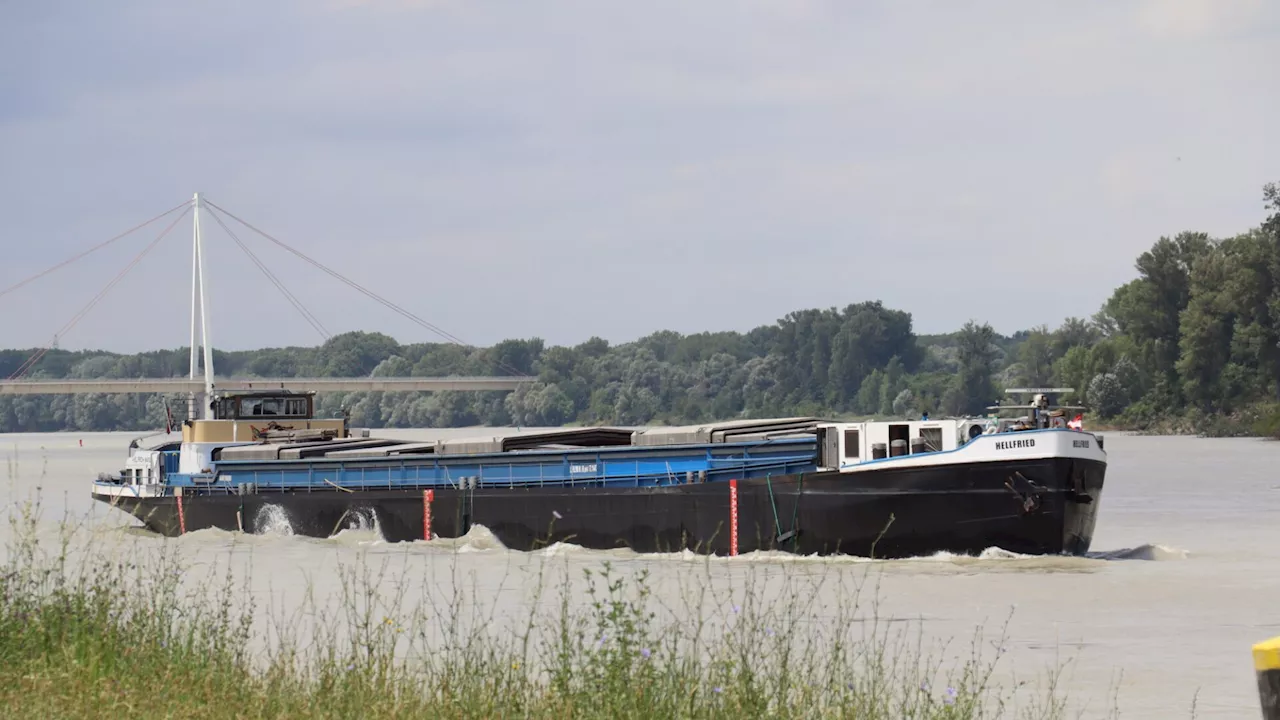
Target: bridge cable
x,y
91,250
333,273
35,358
363,290
297,304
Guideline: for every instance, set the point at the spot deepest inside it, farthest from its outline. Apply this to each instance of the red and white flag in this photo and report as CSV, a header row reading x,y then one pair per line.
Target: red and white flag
x,y
1077,423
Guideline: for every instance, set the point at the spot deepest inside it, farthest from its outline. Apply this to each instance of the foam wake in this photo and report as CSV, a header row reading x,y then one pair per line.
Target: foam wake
x,y
272,520
1143,552
478,539
359,527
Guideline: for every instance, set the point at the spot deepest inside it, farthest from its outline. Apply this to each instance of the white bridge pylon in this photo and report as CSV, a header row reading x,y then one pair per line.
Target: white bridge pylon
x,y
198,288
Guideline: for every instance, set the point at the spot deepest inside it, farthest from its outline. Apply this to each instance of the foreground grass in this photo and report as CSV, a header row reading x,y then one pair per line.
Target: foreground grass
x,y
101,636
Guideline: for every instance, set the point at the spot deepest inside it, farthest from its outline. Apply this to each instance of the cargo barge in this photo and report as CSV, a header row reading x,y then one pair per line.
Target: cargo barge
x,y
889,488
880,488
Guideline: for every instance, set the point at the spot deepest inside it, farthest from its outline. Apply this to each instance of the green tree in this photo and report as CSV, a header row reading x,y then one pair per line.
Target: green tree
x,y
1074,332
1106,394
904,403
973,389
1149,309
1036,357
354,354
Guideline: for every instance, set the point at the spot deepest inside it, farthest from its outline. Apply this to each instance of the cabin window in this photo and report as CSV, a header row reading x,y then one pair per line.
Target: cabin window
x,y
898,439
851,444
296,407
932,439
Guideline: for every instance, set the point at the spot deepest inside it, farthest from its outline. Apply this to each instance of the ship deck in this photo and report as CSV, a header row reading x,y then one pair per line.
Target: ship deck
x,y
576,457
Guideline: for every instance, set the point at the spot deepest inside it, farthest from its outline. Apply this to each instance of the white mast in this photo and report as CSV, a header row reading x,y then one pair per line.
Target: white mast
x,y
204,316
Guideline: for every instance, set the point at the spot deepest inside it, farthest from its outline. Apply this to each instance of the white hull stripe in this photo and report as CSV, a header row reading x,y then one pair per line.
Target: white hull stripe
x,y
998,447
136,491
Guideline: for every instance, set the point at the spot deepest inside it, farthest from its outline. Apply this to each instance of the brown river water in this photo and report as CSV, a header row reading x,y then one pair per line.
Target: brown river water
x,y
1183,577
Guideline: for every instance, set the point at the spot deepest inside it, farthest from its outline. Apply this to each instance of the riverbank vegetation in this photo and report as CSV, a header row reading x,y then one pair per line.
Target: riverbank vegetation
x,y
88,632
1192,344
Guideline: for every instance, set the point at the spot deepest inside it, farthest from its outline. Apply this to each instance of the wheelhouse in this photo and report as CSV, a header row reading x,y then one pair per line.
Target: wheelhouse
x,y
845,444
265,405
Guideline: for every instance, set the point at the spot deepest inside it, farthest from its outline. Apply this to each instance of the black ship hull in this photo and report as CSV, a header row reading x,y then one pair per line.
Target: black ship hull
x,y
1040,506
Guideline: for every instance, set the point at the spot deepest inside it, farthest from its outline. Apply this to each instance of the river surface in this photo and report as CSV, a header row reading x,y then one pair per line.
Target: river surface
x,y
1183,578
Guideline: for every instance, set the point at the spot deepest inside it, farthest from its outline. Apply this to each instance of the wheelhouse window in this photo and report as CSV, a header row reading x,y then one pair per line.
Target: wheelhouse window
x,y
851,444
271,407
259,407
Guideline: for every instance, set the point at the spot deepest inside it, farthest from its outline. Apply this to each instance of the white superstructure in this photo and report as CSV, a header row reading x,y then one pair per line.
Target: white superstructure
x,y
877,445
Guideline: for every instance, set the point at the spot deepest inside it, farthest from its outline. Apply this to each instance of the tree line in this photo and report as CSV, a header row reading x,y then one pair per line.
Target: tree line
x,y
1192,342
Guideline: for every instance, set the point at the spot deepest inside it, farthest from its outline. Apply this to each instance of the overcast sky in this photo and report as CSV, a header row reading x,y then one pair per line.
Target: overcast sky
x,y
579,168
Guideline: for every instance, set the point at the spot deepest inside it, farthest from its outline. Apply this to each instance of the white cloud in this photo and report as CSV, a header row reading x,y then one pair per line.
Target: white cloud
x,y
1181,19
742,159
389,5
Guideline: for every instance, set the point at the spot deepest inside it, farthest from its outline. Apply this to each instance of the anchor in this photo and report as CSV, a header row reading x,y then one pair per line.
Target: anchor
x,y
1031,498
1076,493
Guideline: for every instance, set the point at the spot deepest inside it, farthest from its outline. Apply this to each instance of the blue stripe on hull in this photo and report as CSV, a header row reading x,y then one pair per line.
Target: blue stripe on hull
x,y
602,467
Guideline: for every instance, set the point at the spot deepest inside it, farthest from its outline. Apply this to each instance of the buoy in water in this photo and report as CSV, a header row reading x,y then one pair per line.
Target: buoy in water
x,y
81,442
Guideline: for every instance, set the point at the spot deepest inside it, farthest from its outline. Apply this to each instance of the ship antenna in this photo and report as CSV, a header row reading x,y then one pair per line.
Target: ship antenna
x,y
199,294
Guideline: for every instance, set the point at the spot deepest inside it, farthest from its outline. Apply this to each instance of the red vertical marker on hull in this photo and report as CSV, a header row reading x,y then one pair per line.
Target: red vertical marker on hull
x,y
733,518
427,497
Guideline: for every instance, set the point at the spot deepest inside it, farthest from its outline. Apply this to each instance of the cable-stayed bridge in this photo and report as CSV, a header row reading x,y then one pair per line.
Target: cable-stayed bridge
x,y
205,383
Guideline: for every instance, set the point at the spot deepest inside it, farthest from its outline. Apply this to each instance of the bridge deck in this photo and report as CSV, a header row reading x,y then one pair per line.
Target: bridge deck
x,y
186,385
